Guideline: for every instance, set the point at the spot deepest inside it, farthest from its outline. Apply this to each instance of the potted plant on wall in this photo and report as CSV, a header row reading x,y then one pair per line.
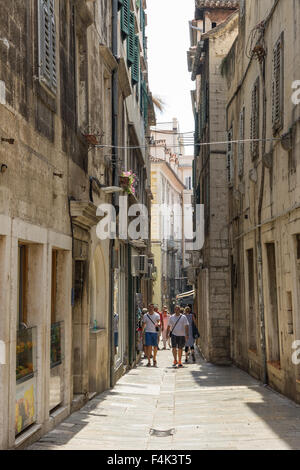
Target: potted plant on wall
x,y
127,181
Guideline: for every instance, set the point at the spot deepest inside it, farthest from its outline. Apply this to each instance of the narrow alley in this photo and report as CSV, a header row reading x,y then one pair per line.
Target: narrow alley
x,y
200,407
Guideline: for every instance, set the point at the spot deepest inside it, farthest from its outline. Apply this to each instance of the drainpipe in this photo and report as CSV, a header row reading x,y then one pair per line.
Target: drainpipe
x,y
259,243
115,103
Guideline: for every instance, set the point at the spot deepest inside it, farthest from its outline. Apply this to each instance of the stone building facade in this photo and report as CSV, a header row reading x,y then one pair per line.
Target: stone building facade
x,y
261,71
171,216
213,32
68,99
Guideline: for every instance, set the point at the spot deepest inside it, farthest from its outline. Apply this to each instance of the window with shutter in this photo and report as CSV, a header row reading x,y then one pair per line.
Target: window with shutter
x,y
254,128
146,104
278,86
141,95
130,40
143,28
230,170
241,146
125,17
135,69
47,44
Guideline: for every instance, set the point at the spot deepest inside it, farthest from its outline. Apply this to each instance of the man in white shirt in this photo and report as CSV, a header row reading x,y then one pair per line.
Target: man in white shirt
x,y
151,324
179,326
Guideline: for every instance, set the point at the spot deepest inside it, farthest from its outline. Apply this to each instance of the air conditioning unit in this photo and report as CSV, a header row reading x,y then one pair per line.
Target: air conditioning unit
x,y
139,265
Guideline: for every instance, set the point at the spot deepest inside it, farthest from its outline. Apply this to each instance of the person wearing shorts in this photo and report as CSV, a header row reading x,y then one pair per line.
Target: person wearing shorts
x,y
190,345
179,326
151,324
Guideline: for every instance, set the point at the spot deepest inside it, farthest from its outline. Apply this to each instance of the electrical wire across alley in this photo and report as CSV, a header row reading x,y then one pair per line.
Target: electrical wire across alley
x,y
202,144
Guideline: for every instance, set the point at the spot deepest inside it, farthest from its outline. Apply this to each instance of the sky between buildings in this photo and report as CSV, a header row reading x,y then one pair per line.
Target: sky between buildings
x,y
168,42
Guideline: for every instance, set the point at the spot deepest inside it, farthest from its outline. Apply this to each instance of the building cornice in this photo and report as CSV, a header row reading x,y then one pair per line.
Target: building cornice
x,y
158,161
220,4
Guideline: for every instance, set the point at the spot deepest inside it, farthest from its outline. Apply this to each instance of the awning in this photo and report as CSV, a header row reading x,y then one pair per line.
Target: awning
x,y
186,294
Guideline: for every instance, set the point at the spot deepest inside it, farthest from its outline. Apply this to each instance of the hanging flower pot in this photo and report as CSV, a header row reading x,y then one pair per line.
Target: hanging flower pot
x,y
127,181
124,181
91,139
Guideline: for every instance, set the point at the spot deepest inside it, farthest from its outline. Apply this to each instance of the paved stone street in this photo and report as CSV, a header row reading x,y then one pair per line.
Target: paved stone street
x,y
208,407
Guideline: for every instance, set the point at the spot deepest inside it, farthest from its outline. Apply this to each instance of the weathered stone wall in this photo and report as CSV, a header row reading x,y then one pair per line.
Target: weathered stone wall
x,y
214,281
280,201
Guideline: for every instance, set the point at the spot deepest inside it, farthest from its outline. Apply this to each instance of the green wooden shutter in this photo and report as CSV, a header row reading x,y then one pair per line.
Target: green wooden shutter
x,y
130,41
135,70
141,95
143,27
125,17
142,19
120,3
145,103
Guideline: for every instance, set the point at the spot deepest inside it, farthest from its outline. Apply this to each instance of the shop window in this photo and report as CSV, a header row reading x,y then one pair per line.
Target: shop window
x,y
119,320
56,326
26,356
23,285
26,386
252,319
273,352
57,333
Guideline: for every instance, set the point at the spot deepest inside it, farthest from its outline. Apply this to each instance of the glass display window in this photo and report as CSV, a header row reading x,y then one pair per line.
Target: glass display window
x,y
26,354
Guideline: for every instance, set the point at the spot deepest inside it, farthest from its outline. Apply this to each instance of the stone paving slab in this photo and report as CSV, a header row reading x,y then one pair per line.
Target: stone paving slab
x,y
210,408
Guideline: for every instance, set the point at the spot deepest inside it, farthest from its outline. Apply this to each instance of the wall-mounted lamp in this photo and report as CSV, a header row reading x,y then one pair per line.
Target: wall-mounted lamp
x,y
3,168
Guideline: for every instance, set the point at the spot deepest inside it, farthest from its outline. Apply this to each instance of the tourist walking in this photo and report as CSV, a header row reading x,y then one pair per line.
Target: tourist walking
x,y
151,325
179,326
165,322
190,344
156,310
